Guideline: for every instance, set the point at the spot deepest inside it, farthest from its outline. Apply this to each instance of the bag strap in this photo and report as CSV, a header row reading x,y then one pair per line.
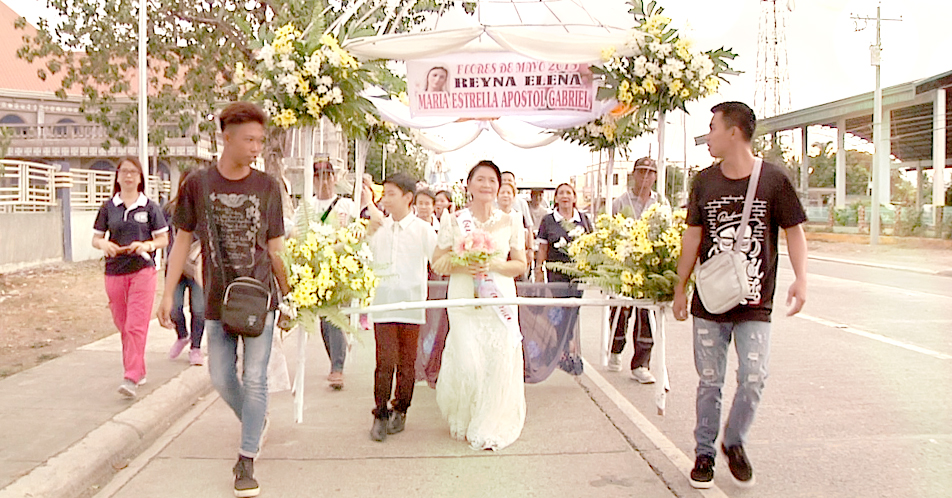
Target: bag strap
x,y
329,208
748,203
214,240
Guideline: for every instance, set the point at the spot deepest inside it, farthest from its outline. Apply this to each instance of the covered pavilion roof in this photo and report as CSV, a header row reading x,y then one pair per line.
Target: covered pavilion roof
x,y
910,120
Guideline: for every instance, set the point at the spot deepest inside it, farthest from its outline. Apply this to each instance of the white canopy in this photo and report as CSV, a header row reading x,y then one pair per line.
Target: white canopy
x,y
561,31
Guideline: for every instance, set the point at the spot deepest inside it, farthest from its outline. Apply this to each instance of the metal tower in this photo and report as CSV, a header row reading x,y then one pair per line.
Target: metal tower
x,y
772,93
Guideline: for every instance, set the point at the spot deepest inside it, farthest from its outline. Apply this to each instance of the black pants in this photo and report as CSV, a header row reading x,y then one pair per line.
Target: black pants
x,y
642,335
396,351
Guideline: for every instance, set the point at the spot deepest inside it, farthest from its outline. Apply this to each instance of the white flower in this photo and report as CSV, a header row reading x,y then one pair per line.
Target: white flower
x,y
286,63
327,80
640,69
560,244
321,229
266,54
370,119
337,95
266,85
653,69
576,232
321,89
333,58
268,105
312,66
672,68
289,82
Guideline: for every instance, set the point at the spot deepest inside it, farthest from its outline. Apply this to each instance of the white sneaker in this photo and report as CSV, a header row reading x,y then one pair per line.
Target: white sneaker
x,y
641,374
614,362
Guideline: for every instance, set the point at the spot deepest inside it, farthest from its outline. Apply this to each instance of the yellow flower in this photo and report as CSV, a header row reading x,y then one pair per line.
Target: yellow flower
x,y
608,53
656,24
313,105
676,86
685,93
649,86
304,86
710,84
627,277
286,118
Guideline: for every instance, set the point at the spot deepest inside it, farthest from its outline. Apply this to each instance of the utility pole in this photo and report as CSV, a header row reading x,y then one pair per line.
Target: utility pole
x,y
882,151
143,93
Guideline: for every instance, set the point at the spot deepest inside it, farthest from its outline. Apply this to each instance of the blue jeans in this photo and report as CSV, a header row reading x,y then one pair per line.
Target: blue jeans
x,y
196,304
711,341
336,345
247,397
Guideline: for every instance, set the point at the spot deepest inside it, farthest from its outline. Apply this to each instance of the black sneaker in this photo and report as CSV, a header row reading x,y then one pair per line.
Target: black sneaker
x,y
702,475
398,422
245,483
737,461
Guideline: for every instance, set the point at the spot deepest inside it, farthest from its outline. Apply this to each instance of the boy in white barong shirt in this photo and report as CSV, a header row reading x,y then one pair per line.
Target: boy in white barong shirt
x,y
402,245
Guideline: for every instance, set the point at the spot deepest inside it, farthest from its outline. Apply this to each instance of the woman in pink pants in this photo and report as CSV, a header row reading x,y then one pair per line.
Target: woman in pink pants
x,y
136,228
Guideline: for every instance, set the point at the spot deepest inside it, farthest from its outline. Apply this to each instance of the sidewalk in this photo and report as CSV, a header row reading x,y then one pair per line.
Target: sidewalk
x,y
67,432
927,256
65,427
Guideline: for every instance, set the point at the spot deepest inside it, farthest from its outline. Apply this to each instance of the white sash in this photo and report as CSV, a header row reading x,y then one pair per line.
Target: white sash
x,y
486,287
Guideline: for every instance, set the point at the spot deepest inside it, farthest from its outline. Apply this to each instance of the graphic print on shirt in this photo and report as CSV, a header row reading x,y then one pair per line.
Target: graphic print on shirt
x,y
723,217
238,217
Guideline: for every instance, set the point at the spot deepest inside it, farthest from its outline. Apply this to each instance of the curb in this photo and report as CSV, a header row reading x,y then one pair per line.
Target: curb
x,y
81,469
940,273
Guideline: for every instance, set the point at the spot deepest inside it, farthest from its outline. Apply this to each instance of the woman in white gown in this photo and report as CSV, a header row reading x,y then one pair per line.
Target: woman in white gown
x,y
480,389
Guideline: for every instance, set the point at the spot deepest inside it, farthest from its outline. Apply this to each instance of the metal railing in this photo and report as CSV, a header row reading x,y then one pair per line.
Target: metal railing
x,y
30,187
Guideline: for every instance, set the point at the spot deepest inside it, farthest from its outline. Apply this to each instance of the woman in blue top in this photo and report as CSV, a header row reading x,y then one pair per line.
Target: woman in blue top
x,y
136,227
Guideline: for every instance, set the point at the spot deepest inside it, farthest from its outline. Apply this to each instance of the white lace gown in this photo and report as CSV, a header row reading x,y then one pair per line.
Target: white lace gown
x,y
480,390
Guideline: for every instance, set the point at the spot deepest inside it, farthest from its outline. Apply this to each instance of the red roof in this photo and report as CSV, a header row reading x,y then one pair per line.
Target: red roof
x,y
16,73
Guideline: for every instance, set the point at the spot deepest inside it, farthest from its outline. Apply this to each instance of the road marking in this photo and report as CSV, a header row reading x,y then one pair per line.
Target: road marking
x,y
888,288
875,337
667,447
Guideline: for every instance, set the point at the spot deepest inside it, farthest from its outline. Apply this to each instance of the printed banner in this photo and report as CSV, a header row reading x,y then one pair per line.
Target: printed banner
x,y
493,84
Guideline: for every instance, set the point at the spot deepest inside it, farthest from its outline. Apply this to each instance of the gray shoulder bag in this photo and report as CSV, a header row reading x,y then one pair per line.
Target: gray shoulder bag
x,y
721,281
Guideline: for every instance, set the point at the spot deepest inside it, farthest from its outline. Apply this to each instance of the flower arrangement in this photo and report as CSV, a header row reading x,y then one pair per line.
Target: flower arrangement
x,y
298,80
659,70
327,268
635,258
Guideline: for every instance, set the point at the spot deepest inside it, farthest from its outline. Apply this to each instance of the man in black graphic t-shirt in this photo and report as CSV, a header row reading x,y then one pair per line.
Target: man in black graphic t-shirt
x,y
246,208
715,208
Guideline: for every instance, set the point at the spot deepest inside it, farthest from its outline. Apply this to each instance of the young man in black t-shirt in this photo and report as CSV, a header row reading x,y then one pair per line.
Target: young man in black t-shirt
x,y
714,214
246,207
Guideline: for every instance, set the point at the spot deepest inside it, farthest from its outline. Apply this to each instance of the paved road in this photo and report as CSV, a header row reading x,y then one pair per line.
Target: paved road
x,y
859,402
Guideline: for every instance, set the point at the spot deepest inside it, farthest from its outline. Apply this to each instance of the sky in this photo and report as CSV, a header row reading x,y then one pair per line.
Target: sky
x,y
828,60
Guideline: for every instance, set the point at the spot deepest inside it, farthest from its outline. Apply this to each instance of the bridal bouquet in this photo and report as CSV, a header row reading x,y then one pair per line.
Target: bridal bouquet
x,y
327,268
636,258
476,247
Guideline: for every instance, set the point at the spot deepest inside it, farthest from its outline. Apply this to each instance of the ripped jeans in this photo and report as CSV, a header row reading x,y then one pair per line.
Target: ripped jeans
x,y
711,342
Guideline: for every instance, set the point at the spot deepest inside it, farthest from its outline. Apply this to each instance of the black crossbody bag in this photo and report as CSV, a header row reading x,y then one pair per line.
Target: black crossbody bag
x,y
247,301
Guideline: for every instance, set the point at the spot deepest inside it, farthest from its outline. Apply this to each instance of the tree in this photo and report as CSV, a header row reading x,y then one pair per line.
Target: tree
x,y
194,47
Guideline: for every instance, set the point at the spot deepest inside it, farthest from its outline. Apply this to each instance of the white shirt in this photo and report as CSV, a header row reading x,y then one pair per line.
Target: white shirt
x,y
317,207
401,250
629,200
